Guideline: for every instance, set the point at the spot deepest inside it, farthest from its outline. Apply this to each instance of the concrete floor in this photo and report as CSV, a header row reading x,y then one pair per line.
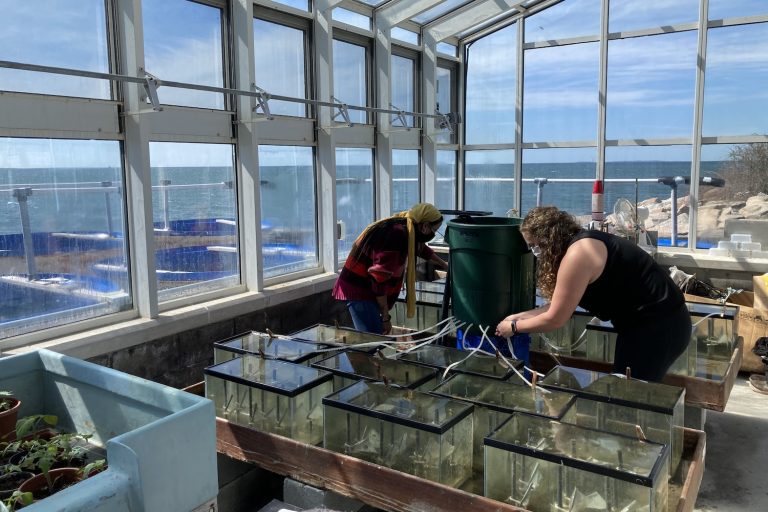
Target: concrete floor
x,y
736,459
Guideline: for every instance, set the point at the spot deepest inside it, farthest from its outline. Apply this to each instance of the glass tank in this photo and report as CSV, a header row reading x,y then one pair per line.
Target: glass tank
x,y
713,330
270,347
269,395
626,405
543,464
412,432
476,364
568,340
429,307
350,366
495,400
601,341
713,340
331,335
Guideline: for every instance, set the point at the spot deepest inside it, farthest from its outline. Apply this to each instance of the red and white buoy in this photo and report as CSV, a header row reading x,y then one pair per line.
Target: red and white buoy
x,y
598,214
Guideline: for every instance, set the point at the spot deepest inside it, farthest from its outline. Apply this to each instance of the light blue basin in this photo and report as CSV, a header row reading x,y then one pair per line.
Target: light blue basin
x,y
160,442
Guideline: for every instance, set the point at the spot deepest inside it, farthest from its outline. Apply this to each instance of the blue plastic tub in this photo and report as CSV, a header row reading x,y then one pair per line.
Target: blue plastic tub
x,y
521,344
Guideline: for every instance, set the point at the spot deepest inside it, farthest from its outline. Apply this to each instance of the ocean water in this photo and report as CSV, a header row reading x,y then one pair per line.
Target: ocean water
x,y
91,199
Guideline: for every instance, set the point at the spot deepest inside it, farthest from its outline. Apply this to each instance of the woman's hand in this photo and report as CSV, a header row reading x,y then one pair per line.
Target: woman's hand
x,y
386,326
504,328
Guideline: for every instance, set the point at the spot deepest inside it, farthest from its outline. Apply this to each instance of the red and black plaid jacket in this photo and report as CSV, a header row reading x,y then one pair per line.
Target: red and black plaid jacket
x,y
377,266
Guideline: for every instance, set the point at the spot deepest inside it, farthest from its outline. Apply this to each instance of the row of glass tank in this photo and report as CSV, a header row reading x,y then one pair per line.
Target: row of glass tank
x,y
708,354
579,441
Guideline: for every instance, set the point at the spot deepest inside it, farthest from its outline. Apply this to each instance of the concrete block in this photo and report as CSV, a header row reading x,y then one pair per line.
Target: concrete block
x,y
277,506
305,496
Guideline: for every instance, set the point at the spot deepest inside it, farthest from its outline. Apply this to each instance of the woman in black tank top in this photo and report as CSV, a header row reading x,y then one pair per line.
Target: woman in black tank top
x,y
613,279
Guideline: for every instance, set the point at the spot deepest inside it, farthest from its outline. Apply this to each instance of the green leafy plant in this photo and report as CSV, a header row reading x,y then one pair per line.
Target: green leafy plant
x,y
27,427
93,468
61,449
16,499
5,404
31,424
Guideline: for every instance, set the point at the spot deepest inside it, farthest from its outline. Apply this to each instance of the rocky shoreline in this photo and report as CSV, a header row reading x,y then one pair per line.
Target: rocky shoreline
x,y
712,215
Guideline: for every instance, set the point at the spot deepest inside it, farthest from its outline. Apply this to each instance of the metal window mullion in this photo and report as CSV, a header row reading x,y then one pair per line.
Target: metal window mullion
x,y
429,100
519,77
602,91
248,173
459,135
383,74
698,117
137,164
325,156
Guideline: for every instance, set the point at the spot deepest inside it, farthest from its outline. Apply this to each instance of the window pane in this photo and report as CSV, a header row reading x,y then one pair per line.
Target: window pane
x,y
298,4
744,167
630,14
354,194
405,179
567,19
402,87
61,225
651,83
288,209
405,35
444,102
448,49
194,212
351,18
183,43
489,183
719,9
438,10
735,102
53,33
648,164
445,190
552,164
490,103
560,91
279,65
350,82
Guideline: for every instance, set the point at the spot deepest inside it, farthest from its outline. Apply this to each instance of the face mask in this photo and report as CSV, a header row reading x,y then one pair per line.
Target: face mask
x,y
536,250
421,237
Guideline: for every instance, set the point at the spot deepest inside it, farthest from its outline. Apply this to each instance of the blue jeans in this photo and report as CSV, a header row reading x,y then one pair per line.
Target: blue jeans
x,y
366,315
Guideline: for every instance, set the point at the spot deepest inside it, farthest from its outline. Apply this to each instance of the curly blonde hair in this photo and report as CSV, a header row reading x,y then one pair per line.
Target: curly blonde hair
x,y
553,229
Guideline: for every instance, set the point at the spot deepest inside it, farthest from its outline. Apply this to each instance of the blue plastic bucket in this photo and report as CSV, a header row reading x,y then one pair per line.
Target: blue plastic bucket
x,y
521,344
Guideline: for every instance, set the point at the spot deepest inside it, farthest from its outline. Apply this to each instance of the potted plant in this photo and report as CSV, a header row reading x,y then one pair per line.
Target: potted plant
x,y
9,410
11,478
17,500
28,433
50,482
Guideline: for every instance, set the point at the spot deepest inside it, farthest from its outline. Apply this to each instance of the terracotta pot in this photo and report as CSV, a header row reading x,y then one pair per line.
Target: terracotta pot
x,y
61,478
11,481
8,420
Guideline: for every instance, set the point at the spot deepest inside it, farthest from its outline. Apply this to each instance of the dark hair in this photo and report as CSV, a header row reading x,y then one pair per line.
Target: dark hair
x,y
554,230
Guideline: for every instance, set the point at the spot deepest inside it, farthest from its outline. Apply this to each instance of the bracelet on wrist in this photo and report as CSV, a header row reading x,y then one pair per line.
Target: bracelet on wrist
x,y
514,327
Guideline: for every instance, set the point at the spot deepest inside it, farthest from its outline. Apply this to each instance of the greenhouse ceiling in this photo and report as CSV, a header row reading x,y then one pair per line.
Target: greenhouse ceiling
x,y
441,19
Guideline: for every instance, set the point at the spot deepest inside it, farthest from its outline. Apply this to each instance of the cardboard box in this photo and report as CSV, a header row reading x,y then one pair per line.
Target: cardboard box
x,y
752,324
760,285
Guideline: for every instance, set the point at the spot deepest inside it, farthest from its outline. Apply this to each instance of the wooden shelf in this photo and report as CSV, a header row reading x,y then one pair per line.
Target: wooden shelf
x,y
699,392
393,490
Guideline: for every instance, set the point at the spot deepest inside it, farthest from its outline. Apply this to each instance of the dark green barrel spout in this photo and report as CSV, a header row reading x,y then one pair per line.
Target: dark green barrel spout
x,y
492,270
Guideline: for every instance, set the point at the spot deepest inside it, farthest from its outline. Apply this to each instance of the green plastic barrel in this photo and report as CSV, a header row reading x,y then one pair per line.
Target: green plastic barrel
x,y
492,271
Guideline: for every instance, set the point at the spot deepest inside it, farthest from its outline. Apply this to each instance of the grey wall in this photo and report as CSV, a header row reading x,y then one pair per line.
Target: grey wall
x,y
179,360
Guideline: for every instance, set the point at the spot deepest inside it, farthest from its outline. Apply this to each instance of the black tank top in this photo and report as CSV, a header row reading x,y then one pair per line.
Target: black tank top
x,y
632,287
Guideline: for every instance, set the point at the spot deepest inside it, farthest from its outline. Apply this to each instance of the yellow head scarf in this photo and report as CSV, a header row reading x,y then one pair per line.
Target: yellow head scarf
x,y
421,212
